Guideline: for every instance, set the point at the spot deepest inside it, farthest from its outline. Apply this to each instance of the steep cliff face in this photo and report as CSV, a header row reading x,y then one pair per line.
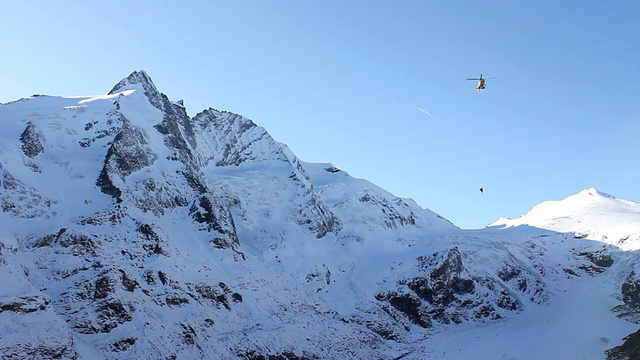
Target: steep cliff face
x,y
131,230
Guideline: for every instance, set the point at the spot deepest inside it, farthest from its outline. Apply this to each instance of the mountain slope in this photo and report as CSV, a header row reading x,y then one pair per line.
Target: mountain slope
x,y
131,230
590,214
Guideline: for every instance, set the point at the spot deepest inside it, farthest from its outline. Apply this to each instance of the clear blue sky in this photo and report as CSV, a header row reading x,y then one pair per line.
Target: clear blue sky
x,y
341,81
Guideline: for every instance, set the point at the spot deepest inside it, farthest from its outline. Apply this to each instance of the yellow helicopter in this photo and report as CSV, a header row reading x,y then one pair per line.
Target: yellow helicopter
x,y
481,82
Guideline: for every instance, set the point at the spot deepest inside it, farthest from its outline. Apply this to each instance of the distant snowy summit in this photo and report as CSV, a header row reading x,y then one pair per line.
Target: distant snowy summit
x,y
589,214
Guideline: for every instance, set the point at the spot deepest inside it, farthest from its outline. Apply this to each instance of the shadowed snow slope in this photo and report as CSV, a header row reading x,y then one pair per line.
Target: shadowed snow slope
x,y
130,230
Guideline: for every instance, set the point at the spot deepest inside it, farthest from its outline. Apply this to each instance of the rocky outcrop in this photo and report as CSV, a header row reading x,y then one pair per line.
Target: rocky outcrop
x,y
598,261
448,293
129,152
22,201
629,350
31,140
392,217
216,218
25,304
285,355
316,217
235,140
630,296
52,349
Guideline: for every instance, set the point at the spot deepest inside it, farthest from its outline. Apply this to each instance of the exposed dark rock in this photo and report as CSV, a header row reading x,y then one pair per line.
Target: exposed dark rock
x,y
333,169
444,283
79,245
188,334
392,217
219,297
174,300
630,291
176,125
409,305
111,314
217,218
521,281
20,200
87,314
629,350
239,138
47,240
25,304
163,278
152,242
114,122
123,344
128,283
141,78
129,152
285,355
106,185
451,267
507,302
382,330
508,272
104,286
69,242
31,139
487,311
195,181
40,351
317,217
598,258
446,294
522,285
149,277
590,269
570,272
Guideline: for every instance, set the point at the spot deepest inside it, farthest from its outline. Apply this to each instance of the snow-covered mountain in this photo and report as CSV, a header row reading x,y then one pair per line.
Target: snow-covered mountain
x,y
590,214
131,230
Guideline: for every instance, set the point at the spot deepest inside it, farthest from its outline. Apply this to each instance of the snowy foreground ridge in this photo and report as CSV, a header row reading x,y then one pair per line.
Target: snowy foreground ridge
x,y
130,230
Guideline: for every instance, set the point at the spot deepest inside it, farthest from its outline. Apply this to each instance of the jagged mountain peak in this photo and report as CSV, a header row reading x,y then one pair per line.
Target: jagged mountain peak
x,y
142,79
136,77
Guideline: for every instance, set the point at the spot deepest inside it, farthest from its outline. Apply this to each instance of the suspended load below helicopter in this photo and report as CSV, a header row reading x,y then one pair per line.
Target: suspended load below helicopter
x,y
481,82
